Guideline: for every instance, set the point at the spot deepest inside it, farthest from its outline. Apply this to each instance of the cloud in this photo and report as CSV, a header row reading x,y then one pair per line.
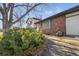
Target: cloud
x,y
48,12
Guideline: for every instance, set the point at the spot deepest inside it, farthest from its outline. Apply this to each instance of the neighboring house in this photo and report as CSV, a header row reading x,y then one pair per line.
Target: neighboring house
x,y
63,23
30,22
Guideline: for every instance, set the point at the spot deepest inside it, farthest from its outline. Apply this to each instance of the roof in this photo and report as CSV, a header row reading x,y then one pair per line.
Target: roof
x,y
35,18
76,8
32,18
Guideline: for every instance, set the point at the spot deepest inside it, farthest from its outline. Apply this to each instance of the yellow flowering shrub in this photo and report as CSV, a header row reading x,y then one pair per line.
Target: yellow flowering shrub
x,y
19,40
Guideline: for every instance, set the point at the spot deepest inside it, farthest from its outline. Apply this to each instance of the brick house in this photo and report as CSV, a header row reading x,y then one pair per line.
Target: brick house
x,y
63,23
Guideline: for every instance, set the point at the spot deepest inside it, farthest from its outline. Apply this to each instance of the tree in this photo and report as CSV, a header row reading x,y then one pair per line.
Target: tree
x,y
8,15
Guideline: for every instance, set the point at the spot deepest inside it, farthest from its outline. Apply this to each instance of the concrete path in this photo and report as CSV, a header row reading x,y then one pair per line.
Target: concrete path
x,y
53,49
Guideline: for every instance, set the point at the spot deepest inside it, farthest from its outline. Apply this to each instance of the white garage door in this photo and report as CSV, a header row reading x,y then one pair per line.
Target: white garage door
x,y
72,25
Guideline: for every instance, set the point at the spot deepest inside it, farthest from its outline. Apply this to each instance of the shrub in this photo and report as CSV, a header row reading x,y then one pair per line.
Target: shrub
x,y
17,41
1,36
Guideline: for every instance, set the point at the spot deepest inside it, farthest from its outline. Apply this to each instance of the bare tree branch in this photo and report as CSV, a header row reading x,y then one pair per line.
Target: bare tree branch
x,y
16,16
26,13
11,13
21,5
1,9
8,7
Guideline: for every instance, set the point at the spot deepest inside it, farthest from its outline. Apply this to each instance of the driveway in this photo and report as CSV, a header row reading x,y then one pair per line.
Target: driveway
x,y
57,48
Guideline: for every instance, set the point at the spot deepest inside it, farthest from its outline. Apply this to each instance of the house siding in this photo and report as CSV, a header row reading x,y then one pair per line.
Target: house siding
x,y
38,26
45,27
46,24
72,21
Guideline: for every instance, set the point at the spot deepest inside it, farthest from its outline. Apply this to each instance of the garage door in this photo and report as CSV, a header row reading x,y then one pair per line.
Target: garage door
x,y
72,25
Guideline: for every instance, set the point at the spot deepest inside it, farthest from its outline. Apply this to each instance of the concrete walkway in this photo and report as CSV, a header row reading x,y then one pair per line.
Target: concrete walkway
x,y
53,49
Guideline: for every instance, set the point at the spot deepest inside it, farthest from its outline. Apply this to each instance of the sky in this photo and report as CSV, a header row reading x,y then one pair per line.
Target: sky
x,y
56,8
48,10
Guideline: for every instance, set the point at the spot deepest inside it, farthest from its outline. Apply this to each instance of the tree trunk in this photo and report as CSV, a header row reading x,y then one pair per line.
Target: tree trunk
x,y
5,27
5,23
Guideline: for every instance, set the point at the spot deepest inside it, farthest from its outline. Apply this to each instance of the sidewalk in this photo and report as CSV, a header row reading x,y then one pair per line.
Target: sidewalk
x,y
60,46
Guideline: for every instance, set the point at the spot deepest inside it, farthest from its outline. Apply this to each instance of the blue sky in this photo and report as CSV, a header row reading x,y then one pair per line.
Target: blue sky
x,y
52,9
48,10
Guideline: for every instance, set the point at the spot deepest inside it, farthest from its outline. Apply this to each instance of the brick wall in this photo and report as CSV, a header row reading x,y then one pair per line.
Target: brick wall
x,y
58,24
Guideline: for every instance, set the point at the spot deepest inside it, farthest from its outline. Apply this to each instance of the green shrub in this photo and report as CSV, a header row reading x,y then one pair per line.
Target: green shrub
x,y
1,36
19,40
